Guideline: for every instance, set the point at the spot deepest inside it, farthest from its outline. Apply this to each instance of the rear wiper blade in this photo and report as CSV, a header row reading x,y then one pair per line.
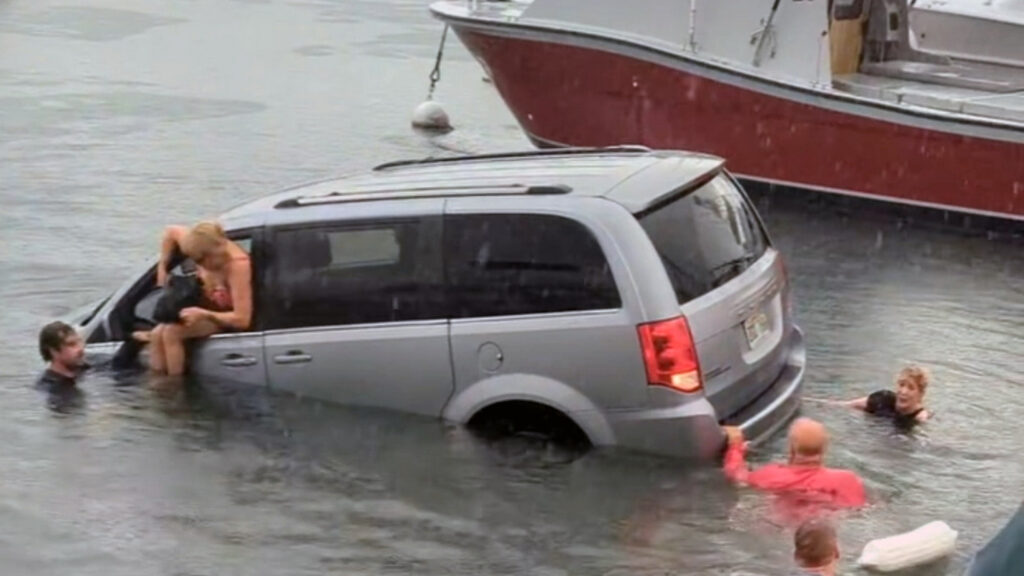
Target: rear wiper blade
x,y
730,264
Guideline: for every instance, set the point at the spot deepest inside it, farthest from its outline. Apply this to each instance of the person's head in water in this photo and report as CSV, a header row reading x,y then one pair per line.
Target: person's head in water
x,y
911,384
206,245
62,348
808,442
816,548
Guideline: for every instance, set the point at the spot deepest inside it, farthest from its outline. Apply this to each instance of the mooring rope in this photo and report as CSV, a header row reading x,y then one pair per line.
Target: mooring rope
x,y
435,74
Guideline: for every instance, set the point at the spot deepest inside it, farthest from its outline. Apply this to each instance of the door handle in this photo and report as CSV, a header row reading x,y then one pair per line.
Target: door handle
x,y
293,357
238,360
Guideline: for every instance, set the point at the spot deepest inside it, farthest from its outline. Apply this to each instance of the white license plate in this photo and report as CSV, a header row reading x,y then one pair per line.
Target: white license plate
x,y
756,327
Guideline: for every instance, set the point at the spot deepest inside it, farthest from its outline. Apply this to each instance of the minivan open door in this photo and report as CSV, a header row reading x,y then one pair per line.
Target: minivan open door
x,y
237,356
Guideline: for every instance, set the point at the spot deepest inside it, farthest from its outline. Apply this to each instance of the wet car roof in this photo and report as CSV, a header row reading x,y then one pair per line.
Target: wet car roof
x,y
631,176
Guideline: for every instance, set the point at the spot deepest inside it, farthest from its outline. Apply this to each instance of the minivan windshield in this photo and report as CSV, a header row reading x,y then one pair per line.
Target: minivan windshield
x,y
705,238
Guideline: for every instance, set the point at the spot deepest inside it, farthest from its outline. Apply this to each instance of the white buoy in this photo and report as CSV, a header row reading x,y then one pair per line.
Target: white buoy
x,y
430,115
920,546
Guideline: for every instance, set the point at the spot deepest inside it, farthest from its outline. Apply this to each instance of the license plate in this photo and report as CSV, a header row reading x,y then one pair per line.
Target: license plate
x,y
756,327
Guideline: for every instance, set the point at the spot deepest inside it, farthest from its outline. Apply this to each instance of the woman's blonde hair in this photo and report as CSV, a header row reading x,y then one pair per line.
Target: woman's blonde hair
x,y
203,239
916,375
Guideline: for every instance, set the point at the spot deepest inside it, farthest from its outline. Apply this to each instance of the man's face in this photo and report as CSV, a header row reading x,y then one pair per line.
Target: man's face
x,y
71,354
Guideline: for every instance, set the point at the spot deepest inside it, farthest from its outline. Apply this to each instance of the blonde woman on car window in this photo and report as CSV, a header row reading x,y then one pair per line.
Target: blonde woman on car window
x,y
225,272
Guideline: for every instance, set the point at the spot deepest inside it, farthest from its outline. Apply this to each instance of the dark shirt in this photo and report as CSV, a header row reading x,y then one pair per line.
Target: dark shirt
x,y
883,404
62,393
51,381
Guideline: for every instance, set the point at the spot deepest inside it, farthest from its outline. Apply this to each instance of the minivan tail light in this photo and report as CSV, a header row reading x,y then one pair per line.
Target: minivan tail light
x,y
670,355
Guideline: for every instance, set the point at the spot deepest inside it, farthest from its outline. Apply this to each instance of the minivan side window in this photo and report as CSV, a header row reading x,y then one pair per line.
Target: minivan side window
x,y
356,273
506,264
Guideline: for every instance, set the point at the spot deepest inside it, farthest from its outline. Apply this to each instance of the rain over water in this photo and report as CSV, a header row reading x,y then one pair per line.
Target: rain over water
x,y
119,117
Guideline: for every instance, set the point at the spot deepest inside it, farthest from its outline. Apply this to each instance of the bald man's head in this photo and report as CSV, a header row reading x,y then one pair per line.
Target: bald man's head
x,y
808,439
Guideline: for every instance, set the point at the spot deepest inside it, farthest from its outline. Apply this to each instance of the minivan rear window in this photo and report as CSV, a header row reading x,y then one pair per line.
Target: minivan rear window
x,y
705,238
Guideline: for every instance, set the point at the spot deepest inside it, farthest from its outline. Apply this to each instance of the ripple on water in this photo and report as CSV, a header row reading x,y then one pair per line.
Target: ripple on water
x,y
67,114
88,23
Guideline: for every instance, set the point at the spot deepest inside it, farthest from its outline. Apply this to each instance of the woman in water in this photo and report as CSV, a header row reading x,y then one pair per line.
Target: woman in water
x,y
225,272
905,406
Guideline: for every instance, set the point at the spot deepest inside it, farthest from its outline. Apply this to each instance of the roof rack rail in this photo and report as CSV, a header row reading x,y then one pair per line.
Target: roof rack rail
x,y
423,192
634,149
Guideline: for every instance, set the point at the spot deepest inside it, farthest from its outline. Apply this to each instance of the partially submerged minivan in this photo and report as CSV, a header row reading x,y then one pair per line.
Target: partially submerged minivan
x,y
628,295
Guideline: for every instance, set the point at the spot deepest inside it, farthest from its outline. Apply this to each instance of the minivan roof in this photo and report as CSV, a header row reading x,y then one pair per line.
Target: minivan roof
x,y
632,176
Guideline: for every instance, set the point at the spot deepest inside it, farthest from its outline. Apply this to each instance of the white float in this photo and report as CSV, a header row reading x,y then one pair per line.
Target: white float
x,y
430,115
920,546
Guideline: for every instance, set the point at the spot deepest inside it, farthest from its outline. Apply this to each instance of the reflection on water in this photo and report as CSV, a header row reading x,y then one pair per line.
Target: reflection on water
x,y
118,119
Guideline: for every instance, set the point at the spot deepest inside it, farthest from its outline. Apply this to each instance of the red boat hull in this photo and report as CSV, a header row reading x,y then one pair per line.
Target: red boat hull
x,y
565,94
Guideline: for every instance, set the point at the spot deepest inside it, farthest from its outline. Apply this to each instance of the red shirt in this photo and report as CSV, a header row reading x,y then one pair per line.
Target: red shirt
x,y
838,488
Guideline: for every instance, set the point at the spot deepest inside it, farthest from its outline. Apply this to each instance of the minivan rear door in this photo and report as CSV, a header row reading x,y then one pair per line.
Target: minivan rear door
x,y
730,285
533,300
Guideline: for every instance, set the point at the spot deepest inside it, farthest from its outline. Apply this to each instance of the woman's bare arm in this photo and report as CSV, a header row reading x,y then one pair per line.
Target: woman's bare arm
x,y
240,284
858,403
168,244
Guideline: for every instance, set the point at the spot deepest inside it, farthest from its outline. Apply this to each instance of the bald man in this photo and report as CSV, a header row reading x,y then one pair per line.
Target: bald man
x,y
805,474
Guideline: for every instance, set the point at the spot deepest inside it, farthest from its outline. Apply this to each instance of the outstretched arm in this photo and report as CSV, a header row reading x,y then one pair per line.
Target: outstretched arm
x,y
858,403
169,242
768,477
735,463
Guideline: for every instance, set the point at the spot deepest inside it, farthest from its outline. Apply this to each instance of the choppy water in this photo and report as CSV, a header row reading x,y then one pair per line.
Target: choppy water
x,y
118,117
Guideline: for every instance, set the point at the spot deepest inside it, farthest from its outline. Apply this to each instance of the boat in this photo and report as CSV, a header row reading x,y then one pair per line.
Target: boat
x,y
834,97
978,30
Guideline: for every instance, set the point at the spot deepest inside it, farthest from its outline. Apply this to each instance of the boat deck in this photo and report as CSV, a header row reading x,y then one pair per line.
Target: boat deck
x,y
986,90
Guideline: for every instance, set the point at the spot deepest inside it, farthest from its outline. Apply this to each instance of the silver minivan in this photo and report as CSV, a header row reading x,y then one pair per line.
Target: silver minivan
x,y
626,296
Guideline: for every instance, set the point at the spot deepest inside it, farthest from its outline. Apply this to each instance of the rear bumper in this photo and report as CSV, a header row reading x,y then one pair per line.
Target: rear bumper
x,y
693,430
778,404
689,431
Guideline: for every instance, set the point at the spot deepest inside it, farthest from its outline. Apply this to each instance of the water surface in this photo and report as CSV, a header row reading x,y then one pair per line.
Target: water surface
x,y
119,117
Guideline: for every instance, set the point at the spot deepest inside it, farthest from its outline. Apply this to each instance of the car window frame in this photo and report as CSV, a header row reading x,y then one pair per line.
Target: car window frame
x,y
145,283
741,189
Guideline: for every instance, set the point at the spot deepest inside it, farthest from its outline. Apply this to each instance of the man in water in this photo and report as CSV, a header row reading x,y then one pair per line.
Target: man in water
x,y
805,475
905,406
64,351
816,548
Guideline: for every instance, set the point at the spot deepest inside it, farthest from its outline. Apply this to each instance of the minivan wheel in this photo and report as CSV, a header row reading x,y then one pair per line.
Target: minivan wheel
x,y
531,420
